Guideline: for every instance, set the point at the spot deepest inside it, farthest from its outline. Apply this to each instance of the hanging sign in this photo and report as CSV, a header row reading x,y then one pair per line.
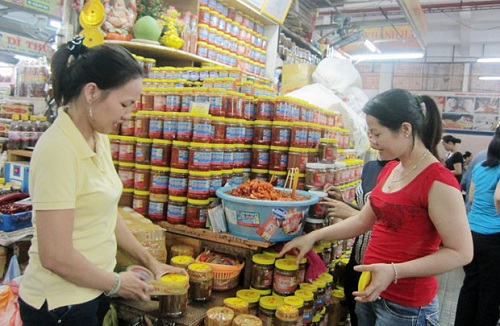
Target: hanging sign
x,y
49,7
256,3
24,46
416,17
276,9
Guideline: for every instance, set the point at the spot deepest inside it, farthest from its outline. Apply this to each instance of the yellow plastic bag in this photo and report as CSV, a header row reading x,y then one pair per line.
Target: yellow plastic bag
x,y
111,318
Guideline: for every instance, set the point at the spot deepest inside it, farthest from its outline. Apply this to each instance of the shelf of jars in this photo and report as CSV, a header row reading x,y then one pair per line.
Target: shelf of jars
x,y
301,42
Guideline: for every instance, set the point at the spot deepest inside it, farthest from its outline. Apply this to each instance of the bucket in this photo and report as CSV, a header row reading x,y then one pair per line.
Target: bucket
x,y
265,220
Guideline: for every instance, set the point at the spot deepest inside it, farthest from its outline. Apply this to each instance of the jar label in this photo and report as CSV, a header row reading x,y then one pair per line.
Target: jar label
x,y
127,178
139,206
249,132
198,187
169,129
175,183
300,137
284,135
202,129
263,158
140,154
228,157
184,128
187,99
202,159
215,183
284,283
239,157
176,212
237,180
156,209
217,157
126,152
157,156
140,180
155,128
172,103
247,219
159,103
232,133
159,182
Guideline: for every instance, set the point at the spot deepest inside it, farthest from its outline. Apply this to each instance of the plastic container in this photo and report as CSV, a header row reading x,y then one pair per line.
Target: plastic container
x,y
200,281
278,158
285,277
328,150
141,126
318,210
184,126
127,198
199,184
259,174
202,128
174,297
140,203
126,173
260,157
262,132
143,151
156,125
261,275
182,261
200,156
297,158
299,134
267,309
157,207
281,132
114,143
308,309
239,306
218,130
126,152
178,182
179,158
169,131
127,127
159,180
315,175
286,315
142,177
177,209
252,297
160,152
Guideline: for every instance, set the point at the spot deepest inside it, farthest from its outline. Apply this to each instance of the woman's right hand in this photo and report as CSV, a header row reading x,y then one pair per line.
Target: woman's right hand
x,y
333,192
303,244
133,287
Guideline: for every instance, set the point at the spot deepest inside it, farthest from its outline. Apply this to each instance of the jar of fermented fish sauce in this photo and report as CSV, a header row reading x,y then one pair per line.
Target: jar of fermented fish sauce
x,y
227,176
126,173
160,152
328,150
239,306
197,213
280,134
297,158
262,132
218,130
286,315
147,99
172,99
141,126
169,125
298,303
155,125
299,133
261,275
311,288
285,276
260,157
308,309
173,302
200,281
126,152
179,157
178,182
159,180
143,150
278,158
182,261
237,177
114,143
142,177
228,157
252,297
202,127
267,309
127,197
248,131
215,182
127,127
157,209
187,98
199,184
184,126
265,108
177,209
140,203
315,175
217,161
200,156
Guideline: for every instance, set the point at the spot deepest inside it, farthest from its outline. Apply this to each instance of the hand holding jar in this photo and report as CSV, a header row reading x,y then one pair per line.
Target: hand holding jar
x,y
337,209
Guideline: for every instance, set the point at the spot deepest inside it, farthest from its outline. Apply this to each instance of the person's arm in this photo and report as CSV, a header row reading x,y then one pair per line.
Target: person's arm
x,y
457,169
57,254
496,197
471,192
128,243
447,212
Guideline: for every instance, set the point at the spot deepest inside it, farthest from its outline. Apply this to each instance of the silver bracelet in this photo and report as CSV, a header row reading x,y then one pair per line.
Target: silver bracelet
x,y
116,287
395,273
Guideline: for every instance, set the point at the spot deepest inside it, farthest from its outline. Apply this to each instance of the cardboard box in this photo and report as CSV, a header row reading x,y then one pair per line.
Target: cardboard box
x,y
17,173
295,76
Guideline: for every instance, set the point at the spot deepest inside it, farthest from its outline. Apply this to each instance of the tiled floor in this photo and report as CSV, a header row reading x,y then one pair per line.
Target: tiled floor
x,y
449,289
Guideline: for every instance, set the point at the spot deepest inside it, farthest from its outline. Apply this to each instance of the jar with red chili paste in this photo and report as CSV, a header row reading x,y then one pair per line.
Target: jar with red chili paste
x,y
262,132
184,126
234,105
237,177
217,161
297,158
126,152
199,184
259,174
155,125
278,158
202,127
176,209
178,182
228,157
314,135
232,131
280,134
281,109
249,108
285,276
114,143
200,156
169,131
160,152
216,98
315,175
143,150
172,99
218,131
126,174
127,197
215,181
239,156
265,108
127,127
159,180
248,131
197,213
147,99
261,276
140,203
186,98
312,155
142,177
157,208
260,157
159,99
141,126
179,157
299,133
328,150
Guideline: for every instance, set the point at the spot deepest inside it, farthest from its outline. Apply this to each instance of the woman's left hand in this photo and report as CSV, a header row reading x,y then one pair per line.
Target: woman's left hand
x,y
382,275
337,208
160,269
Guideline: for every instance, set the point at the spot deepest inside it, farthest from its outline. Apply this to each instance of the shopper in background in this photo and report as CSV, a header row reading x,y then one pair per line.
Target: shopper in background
x,y
338,209
465,182
75,191
467,159
480,293
454,160
416,213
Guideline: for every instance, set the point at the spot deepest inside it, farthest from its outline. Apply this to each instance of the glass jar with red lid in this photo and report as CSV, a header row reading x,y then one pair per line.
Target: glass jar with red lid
x,y
262,132
265,108
260,157
160,152
278,158
200,156
179,157
199,184
178,182
159,180
197,213
184,126
141,126
280,134
202,127
297,158
126,151
176,209
218,130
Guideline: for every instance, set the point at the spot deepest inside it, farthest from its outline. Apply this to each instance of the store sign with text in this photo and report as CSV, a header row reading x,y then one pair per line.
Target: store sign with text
x,y
388,38
24,46
50,7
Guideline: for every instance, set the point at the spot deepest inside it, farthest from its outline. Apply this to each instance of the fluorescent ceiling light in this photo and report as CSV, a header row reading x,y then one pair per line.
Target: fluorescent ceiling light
x,y
386,56
488,60
369,44
23,57
489,78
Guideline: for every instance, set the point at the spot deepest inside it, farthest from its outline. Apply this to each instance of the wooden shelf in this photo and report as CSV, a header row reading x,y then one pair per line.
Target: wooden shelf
x,y
19,155
223,238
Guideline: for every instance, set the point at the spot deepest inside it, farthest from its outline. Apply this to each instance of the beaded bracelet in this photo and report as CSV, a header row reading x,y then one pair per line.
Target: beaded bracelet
x,y
116,287
395,273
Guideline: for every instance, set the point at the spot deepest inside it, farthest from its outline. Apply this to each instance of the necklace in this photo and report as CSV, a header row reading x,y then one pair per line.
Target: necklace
x,y
407,173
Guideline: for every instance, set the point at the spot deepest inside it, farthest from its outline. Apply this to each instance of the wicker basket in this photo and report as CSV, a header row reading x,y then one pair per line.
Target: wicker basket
x,y
225,276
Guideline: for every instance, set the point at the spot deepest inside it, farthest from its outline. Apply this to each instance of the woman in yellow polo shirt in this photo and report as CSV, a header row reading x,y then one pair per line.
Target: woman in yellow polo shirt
x,y
75,191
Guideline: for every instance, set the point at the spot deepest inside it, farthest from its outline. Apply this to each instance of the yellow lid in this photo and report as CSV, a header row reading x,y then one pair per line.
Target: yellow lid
x,y
173,284
326,277
294,258
198,201
305,295
260,171
287,312
141,192
199,267
263,259
317,318
200,173
270,251
160,168
182,171
127,190
250,296
328,140
113,137
126,164
319,283
298,149
216,172
270,302
144,140
195,144
294,301
263,293
128,138
182,260
308,286
279,148
263,122
275,172
142,166
338,293
237,303
178,198
286,264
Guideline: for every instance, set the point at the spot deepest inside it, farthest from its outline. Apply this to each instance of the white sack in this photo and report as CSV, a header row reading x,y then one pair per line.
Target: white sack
x,y
336,74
